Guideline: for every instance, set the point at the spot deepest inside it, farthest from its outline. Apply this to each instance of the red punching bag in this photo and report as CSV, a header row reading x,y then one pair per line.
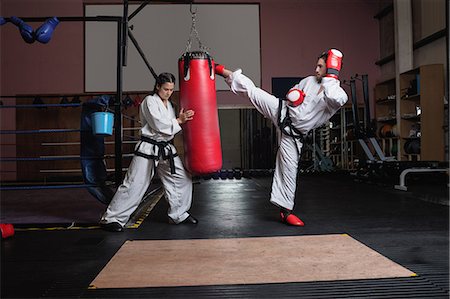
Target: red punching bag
x,y
202,149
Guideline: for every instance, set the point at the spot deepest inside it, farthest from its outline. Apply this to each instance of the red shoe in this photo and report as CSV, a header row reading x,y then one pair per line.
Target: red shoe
x,y
289,218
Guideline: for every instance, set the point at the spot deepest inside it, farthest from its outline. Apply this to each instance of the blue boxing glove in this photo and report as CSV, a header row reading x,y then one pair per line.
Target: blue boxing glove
x,y
44,33
2,21
25,30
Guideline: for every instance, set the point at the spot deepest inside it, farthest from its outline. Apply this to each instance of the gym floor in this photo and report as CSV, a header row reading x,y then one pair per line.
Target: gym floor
x,y
411,228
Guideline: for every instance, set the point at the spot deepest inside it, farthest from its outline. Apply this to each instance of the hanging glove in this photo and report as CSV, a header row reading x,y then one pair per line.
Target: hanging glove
x,y
44,32
26,31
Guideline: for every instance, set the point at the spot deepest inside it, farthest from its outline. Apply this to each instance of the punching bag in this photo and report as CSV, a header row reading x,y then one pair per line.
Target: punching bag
x,y
201,135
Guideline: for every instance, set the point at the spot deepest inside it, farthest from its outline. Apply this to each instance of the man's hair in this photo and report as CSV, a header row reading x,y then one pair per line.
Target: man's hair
x,y
324,56
163,78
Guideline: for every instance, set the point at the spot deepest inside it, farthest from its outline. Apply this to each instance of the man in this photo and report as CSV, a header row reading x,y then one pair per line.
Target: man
x,y
308,105
155,152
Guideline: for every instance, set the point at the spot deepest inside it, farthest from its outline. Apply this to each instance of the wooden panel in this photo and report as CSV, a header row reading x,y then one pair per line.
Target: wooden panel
x,y
429,96
64,145
432,103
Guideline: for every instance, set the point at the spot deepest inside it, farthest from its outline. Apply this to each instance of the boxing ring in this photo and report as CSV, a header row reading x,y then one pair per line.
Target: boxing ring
x,y
96,177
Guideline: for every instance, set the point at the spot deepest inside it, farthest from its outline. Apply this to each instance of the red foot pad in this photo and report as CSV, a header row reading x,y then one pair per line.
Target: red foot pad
x,y
202,148
291,219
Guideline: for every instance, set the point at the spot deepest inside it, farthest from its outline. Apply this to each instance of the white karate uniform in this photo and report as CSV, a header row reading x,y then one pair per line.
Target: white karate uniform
x,y
158,124
322,100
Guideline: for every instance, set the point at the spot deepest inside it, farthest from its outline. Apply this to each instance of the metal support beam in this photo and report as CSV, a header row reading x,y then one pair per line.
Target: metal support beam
x,y
138,10
136,44
124,32
117,108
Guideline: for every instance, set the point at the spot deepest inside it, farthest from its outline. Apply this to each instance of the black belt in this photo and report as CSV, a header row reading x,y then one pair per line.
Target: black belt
x,y
161,152
286,126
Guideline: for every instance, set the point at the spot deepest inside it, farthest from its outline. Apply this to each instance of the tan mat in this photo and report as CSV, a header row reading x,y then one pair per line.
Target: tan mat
x,y
165,263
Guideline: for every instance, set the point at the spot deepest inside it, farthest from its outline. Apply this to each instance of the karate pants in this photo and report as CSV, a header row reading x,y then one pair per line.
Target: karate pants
x,y
288,155
177,187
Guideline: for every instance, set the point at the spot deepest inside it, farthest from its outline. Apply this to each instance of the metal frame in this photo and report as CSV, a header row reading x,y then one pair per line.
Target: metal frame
x,y
122,46
402,185
119,81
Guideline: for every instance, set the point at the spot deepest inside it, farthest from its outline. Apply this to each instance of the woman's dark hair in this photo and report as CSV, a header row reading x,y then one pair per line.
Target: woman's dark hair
x,y
163,78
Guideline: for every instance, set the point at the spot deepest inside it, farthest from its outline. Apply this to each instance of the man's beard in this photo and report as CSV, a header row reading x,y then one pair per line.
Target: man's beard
x,y
319,79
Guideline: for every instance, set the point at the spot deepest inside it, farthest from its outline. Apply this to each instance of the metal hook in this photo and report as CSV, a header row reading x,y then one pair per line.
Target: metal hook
x,y
190,8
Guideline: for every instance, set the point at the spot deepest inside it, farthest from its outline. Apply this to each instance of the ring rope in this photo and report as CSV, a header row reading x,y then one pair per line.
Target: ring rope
x,y
8,188
55,131
41,105
39,131
11,159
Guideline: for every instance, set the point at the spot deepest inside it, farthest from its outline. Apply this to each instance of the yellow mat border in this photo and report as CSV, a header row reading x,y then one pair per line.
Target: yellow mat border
x,y
136,223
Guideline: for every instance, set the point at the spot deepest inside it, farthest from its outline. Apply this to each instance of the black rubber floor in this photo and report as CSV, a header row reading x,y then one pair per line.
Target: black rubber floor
x,y
400,225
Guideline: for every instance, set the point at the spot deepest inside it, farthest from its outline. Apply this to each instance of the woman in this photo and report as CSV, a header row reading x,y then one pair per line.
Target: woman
x,y
155,152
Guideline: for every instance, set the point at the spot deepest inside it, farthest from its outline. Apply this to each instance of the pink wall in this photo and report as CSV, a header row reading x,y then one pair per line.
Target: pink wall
x,y
293,33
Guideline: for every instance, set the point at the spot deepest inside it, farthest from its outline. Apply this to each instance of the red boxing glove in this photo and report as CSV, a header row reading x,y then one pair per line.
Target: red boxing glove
x,y
333,63
218,69
295,96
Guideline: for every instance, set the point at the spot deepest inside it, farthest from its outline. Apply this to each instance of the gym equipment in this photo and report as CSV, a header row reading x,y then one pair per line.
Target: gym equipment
x,y
120,45
388,130
203,152
385,130
402,185
365,135
237,173
201,135
333,63
376,166
92,145
295,96
215,175
44,33
26,31
223,173
412,146
321,162
7,230
385,168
